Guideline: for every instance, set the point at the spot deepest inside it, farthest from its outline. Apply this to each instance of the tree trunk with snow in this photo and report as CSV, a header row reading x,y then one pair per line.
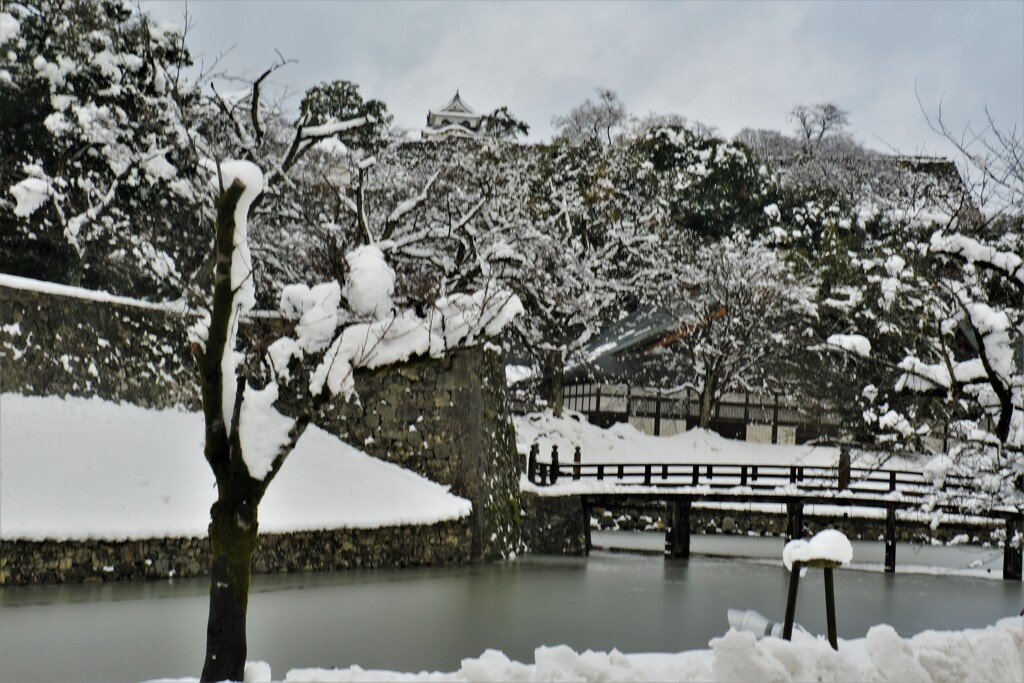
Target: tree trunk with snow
x,y
233,518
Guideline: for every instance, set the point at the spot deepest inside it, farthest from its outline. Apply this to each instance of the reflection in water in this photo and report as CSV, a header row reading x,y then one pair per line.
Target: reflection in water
x,y
430,619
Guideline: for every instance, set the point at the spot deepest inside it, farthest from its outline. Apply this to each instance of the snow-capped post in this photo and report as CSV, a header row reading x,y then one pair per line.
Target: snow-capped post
x,y
827,550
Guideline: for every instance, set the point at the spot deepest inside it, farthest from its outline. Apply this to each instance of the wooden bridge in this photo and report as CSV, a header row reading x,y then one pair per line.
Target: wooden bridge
x,y
678,485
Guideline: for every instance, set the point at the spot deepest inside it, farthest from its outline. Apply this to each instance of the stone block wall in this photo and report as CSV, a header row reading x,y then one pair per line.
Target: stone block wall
x,y
448,420
64,345
33,562
553,525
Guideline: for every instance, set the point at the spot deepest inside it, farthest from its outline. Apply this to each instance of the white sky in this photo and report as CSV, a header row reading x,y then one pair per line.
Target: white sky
x,y
730,64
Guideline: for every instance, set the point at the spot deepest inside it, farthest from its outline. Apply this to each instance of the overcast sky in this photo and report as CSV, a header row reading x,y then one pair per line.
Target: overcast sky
x,y
728,64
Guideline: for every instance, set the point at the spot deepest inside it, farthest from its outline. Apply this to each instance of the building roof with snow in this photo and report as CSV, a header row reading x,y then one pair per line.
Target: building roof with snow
x,y
620,349
454,118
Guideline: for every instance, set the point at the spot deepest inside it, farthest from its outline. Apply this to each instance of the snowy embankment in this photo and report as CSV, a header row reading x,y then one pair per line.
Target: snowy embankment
x,y
993,654
624,443
75,469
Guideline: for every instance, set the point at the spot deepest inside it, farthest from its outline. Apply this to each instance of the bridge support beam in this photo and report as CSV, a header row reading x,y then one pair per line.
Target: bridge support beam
x,y
890,539
677,535
1013,557
795,520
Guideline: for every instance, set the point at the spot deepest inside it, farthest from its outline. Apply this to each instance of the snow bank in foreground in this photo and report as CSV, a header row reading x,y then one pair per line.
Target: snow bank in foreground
x,y
85,468
995,653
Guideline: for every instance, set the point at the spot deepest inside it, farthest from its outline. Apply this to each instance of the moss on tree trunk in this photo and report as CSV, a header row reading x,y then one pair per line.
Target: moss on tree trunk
x,y
233,538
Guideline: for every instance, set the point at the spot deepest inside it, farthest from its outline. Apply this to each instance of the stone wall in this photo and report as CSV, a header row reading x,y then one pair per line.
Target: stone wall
x,y
756,523
553,525
448,420
64,345
31,562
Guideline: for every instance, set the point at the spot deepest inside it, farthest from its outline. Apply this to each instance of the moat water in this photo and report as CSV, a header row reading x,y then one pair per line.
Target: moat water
x,y
430,619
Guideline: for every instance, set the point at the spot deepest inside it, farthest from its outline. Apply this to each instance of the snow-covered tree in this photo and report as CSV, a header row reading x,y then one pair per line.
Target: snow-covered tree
x,y
500,124
99,184
741,315
816,121
247,440
592,121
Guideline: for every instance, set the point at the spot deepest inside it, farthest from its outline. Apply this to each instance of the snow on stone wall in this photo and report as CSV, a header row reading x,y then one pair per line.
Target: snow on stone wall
x,y
74,343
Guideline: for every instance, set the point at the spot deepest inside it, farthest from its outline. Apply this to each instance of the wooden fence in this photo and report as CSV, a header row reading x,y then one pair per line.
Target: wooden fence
x,y
769,418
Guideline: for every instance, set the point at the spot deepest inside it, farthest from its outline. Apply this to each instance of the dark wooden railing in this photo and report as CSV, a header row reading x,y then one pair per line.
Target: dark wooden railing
x,y
758,478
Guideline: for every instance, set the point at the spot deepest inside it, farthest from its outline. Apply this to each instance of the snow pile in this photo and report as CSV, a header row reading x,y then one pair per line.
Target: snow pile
x,y
85,468
370,283
388,335
9,27
995,653
828,545
31,194
457,320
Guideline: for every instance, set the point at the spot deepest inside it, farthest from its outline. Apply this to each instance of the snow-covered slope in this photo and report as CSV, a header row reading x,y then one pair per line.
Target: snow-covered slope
x,y
623,443
85,468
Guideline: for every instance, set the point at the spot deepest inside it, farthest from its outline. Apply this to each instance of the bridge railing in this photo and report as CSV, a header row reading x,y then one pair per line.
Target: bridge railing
x,y
756,477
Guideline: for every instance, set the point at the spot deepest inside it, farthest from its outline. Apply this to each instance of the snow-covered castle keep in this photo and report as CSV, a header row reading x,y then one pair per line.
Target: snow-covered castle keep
x,y
455,118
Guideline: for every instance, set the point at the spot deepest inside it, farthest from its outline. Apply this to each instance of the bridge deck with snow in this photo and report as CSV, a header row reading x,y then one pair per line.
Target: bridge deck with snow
x,y
611,484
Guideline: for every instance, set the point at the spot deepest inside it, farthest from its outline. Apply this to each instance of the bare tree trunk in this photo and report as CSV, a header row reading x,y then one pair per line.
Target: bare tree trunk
x,y
552,386
707,401
233,535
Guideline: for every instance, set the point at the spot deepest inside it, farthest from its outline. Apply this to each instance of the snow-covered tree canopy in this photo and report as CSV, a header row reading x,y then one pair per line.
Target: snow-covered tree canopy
x,y
98,180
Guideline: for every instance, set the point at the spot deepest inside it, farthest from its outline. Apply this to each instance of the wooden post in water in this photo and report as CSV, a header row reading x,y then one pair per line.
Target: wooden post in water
x,y
677,534
794,585
830,599
890,539
795,520
1013,558
830,609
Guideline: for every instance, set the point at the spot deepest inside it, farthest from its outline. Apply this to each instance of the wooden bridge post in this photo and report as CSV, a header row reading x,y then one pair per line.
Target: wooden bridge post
x,y
890,539
795,520
844,468
554,463
1013,558
677,534
531,464
577,458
